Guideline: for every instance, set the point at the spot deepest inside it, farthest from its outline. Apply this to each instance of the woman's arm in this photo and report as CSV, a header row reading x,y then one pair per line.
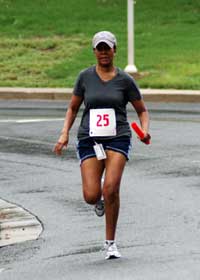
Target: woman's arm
x,y
143,115
70,116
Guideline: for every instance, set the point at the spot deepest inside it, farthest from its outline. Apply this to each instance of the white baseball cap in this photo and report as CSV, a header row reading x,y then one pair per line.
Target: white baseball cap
x,y
104,37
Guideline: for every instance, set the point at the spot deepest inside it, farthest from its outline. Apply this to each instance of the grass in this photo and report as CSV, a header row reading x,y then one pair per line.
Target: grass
x,y
45,43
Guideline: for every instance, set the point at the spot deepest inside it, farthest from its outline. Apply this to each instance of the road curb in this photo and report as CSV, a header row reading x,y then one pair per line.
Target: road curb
x,y
150,95
164,95
17,224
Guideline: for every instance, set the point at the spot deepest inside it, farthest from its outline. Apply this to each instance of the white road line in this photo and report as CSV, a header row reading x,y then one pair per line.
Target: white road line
x,y
39,120
2,269
31,120
6,121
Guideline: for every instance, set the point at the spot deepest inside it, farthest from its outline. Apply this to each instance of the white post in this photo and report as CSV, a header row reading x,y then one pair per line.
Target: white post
x,y
130,68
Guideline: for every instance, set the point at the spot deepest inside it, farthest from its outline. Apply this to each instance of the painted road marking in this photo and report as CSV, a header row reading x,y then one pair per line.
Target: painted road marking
x,y
31,120
38,120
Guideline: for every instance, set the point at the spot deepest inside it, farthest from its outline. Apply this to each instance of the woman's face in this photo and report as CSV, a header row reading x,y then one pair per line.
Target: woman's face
x,y
104,54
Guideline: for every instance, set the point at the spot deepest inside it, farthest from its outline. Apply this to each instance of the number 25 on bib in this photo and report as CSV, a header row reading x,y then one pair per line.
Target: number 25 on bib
x,y
102,122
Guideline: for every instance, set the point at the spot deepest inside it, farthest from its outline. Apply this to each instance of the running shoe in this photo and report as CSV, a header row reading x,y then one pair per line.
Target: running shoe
x,y
111,251
99,208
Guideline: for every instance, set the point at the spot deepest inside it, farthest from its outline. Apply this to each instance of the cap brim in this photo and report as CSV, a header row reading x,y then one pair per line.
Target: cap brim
x,y
110,44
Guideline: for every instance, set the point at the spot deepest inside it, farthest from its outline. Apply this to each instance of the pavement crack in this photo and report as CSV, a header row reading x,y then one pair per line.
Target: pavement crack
x,y
34,164
88,250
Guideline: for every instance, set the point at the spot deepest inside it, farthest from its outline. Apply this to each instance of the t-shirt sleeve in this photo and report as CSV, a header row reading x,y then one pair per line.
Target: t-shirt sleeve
x,y
79,87
133,92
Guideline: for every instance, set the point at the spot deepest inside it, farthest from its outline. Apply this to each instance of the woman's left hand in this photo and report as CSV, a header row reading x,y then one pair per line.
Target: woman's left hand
x,y
146,138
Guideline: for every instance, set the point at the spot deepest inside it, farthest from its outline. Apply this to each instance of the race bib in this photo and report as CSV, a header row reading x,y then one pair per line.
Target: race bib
x,y
102,122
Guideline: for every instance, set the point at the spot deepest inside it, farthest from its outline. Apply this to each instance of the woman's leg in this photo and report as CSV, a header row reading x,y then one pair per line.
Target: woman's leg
x,y
91,172
114,166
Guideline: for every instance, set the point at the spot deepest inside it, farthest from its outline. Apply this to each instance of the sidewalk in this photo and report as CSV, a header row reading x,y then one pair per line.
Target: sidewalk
x,y
150,95
17,224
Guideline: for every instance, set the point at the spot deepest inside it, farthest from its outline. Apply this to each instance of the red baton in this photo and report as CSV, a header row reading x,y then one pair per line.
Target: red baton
x,y
140,133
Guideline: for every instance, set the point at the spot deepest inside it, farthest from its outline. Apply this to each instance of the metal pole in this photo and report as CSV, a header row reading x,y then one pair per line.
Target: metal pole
x,y
130,68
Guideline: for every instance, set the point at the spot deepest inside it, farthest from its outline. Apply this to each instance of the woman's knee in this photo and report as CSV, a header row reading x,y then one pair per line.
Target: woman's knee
x,y
111,192
91,198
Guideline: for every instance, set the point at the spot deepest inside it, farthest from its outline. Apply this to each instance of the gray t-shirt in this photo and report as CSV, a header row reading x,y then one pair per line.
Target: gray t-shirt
x,y
115,93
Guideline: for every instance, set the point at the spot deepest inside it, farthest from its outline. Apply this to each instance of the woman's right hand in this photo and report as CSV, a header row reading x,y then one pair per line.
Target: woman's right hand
x,y
62,142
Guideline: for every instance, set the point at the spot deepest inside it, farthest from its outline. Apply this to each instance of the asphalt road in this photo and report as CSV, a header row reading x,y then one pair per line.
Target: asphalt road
x,y
159,225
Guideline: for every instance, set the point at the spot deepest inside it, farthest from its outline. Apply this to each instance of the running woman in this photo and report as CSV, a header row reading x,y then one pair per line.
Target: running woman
x,y
104,135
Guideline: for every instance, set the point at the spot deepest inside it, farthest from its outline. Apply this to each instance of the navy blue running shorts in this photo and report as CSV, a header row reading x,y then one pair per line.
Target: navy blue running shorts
x,y
121,144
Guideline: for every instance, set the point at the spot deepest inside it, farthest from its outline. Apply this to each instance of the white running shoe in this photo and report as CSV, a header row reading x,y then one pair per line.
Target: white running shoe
x,y
111,251
99,208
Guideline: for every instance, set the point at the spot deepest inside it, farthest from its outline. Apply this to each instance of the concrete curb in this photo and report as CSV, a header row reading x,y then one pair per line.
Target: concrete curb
x,y
17,224
150,95
171,95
